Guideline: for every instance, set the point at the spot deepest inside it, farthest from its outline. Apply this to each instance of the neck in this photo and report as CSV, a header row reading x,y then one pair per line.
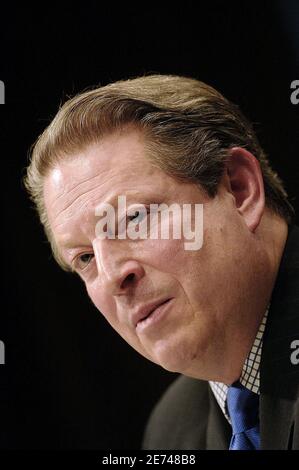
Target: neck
x,y
224,360
270,241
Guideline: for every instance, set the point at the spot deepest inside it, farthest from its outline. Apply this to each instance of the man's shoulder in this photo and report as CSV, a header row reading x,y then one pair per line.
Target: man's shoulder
x,y
179,416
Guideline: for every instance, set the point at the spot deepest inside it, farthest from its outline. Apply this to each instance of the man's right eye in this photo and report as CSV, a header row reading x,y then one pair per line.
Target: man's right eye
x,y
82,261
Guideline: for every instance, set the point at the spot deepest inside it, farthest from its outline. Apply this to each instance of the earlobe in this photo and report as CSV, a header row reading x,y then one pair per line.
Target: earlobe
x,y
246,185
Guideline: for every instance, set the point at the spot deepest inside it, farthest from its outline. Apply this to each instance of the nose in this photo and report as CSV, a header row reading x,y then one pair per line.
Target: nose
x,y
119,273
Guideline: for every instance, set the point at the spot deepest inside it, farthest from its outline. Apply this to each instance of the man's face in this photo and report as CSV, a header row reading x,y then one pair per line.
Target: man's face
x,y
202,290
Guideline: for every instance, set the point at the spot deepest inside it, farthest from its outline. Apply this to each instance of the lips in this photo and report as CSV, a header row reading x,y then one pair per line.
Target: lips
x,y
146,310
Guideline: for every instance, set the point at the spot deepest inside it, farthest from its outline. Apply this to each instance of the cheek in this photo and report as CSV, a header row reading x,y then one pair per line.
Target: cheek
x,y
104,303
201,273
107,307
182,268
170,257
164,255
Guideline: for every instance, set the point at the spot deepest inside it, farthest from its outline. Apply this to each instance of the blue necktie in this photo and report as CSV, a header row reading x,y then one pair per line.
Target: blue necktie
x,y
243,408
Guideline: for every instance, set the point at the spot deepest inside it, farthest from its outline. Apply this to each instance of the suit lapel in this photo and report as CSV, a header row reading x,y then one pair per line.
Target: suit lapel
x,y
279,377
218,429
276,422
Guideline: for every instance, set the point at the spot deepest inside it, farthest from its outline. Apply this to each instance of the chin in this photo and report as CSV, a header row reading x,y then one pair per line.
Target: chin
x,y
174,357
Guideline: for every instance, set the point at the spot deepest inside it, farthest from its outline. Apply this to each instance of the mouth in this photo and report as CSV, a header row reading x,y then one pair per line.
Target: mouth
x,y
152,315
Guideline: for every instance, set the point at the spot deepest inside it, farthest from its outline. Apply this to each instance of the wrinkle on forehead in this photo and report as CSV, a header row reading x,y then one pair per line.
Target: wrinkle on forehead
x,y
97,173
77,185
81,195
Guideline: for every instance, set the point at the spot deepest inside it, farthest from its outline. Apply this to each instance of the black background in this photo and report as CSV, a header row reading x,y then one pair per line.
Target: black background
x,y
70,382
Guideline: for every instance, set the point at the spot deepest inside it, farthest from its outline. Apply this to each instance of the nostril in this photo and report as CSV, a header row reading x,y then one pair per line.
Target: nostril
x,y
128,280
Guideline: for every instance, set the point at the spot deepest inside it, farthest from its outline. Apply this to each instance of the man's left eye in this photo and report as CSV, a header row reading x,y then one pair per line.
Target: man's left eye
x,y
137,217
83,261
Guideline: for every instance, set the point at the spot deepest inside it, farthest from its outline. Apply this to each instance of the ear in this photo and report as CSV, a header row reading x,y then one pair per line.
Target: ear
x,y
246,184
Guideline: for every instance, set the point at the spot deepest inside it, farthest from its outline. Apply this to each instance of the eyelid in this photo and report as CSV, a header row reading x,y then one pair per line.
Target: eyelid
x,y
76,260
136,208
131,210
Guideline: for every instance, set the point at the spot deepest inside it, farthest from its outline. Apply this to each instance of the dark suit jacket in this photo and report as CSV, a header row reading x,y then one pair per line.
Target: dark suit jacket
x,y
188,416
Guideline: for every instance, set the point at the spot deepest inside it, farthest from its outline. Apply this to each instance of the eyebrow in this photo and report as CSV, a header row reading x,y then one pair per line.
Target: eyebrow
x,y
114,199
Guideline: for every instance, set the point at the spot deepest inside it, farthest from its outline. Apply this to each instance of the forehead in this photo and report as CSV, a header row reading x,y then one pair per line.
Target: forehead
x,y
106,159
116,163
115,166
